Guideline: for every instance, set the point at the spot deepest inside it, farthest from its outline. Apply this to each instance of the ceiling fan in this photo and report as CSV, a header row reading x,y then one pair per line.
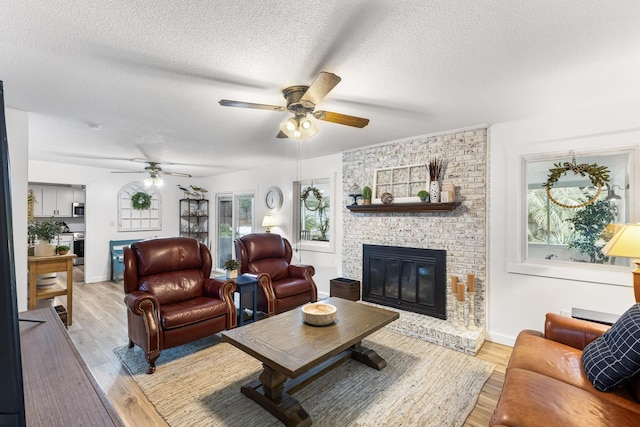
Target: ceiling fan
x,y
154,172
301,102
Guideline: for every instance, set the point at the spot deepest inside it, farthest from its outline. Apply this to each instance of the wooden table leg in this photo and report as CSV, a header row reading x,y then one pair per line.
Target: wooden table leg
x,y
69,291
367,356
269,393
32,287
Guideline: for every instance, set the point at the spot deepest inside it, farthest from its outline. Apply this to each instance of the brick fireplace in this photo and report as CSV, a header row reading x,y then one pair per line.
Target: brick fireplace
x,y
460,233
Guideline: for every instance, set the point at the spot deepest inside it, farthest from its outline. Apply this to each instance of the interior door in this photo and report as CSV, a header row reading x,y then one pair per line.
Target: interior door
x,y
235,219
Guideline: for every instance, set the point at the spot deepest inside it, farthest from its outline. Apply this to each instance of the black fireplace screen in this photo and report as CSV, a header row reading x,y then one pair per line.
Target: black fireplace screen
x,y
410,279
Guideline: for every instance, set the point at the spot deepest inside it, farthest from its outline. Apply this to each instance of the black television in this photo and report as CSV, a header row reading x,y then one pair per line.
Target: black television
x,y
11,387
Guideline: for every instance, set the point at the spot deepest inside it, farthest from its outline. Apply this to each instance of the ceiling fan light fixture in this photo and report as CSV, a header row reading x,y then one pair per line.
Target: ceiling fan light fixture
x,y
299,128
153,181
291,125
308,127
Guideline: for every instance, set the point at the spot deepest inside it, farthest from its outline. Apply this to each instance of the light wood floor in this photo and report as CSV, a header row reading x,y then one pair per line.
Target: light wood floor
x,y
100,325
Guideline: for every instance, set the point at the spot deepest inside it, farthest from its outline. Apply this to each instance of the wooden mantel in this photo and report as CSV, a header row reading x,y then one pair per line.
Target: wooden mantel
x,y
404,207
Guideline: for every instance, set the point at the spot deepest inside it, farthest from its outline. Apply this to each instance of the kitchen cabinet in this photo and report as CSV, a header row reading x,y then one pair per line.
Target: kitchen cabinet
x,y
51,201
194,219
78,195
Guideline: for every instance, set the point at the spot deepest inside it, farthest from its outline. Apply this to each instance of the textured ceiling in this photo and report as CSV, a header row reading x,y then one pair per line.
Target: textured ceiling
x,y
151,72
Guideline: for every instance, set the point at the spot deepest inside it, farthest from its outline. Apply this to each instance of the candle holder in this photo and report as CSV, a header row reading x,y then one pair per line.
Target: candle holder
x,y
456,324
460,307
472,316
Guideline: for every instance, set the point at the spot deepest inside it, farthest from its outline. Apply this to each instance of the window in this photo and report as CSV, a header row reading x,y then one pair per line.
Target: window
x,y
313,214
402,182
132,219
555,232
547,240
235,219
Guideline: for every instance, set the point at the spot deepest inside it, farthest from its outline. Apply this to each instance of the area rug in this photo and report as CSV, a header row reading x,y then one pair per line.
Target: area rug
x,y
198,384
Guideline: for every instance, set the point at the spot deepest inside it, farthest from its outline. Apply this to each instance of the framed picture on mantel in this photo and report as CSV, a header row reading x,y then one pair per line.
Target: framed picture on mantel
x,y
403,182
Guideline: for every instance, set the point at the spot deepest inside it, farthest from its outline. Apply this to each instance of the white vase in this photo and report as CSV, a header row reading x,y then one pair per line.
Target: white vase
x,y
44,249
434,192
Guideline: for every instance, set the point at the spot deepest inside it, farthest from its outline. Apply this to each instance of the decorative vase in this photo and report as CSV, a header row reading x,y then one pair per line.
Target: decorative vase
x,y
232,274
434,192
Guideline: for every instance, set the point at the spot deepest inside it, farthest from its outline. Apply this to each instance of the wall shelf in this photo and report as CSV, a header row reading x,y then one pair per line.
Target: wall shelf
x,y
404,207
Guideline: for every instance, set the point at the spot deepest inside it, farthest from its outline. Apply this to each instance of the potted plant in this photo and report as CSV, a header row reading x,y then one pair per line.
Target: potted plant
x,y
366,195
231,266
424,195
62,249
45,232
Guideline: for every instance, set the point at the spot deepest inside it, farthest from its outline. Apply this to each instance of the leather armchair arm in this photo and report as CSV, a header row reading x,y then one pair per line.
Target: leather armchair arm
x,y
301,271
223,289
144,324
140,302
572,332
264,281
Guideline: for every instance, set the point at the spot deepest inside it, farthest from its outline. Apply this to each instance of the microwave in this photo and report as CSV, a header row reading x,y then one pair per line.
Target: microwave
x,y
77,209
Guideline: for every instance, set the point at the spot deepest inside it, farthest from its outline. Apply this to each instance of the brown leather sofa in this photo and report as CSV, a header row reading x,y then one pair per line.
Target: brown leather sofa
x,y
546,383
169,296
283,286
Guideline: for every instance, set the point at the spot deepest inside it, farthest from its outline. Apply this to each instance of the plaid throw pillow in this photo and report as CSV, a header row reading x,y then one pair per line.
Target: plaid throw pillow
x,y
615,356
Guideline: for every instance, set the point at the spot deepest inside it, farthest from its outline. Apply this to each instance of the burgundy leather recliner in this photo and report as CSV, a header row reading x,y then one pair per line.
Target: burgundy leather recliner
x,y
170,298
283,286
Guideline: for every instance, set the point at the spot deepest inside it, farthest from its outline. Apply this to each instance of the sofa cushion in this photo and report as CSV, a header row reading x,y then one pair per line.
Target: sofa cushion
x,y
562,362
615,356
276,268
288,287
532,399
175,286
192,311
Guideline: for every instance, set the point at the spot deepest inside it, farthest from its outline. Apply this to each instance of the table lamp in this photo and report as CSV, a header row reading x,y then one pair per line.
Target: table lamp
x,y
626,243
268,222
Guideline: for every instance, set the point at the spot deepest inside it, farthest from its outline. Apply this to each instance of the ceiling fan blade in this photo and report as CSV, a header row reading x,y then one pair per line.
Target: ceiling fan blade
x,y
230,103
320,87
186,175
129,172
281,135
342,119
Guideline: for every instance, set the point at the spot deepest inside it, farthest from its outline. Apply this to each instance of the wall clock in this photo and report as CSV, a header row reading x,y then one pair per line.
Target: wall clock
x,y
273,199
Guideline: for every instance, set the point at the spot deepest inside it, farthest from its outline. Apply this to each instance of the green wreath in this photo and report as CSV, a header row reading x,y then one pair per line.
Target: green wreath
x,y
316,193
141,201
599,176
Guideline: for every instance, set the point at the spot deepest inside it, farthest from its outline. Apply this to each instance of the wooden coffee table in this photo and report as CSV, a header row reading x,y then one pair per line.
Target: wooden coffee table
x,y
293,353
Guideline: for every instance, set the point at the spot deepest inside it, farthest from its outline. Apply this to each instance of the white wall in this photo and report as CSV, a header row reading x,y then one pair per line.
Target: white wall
x,y
283,174
518,301
18,138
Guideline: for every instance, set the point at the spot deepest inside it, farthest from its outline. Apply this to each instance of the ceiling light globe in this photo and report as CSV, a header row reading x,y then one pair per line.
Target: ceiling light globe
x,y
306,124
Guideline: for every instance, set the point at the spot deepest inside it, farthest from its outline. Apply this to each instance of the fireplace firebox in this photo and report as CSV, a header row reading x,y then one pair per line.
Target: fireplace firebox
x,y
410,279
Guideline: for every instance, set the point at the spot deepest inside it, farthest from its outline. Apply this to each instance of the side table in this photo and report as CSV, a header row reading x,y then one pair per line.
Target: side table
x,y
247,285
51,264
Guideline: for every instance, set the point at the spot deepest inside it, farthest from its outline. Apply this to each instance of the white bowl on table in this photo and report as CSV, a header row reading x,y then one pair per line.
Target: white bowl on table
x,y
319,313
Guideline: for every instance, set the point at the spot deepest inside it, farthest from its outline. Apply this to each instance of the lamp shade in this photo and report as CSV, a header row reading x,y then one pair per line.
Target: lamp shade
x,y
268,221
625,243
